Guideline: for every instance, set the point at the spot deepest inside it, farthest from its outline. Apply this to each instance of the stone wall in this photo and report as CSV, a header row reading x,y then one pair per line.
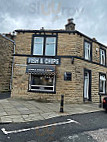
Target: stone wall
x,y
73,90
6,51
68,45
20,83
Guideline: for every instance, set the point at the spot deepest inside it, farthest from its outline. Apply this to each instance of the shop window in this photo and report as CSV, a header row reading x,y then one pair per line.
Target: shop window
x,y
44,46
87,50
102,56
102,83
43,83
67,76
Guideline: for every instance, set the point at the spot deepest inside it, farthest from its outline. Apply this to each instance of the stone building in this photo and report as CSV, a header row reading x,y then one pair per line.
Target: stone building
x,y
48,63
6,59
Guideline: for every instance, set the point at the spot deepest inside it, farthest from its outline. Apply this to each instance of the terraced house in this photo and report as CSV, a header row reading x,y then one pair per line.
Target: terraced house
x,y
6,59
48,63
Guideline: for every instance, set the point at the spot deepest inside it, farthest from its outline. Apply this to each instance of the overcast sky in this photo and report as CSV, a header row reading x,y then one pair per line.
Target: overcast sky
x,y
90,16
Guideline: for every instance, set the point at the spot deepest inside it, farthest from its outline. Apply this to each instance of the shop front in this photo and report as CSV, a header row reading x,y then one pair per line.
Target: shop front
x,y
42,74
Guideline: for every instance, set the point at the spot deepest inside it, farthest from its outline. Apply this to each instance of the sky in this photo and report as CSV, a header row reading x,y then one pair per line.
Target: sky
x,y
90,16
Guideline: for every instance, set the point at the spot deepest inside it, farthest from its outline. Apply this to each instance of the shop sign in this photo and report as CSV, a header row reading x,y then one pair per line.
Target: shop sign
x,y
47,61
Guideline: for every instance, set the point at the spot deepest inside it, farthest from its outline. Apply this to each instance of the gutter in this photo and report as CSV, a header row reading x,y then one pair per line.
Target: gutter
x,y
7,38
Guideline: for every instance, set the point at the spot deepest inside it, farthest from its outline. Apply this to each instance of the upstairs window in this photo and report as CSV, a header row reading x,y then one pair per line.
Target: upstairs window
x,y
38,46
102,56
50,46
44,46
87,50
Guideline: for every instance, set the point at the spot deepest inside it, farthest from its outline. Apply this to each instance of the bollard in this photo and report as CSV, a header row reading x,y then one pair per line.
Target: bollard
x,y
62,104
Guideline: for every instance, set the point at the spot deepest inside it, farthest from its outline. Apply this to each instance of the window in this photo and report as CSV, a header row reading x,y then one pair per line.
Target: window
x,y
67,76
44,46
41,83
38,46
102,56
50,46
102,84
87,50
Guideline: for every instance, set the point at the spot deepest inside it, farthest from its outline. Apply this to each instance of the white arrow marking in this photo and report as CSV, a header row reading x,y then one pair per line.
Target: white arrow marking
x,y
39,127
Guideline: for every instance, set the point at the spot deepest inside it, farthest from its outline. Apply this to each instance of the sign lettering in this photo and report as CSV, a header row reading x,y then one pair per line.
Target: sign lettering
x,y
47,61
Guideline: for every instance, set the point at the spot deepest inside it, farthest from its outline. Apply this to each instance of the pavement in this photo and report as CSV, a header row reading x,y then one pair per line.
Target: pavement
x,y
18,110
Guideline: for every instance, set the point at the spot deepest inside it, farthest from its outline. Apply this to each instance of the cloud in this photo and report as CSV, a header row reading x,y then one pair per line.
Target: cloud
x,y
89,16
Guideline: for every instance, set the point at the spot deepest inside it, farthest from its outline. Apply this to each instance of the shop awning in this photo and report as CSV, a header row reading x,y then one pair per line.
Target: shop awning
x,y
40,69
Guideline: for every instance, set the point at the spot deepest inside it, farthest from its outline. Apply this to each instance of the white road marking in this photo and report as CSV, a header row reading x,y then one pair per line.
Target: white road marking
x,y
39,127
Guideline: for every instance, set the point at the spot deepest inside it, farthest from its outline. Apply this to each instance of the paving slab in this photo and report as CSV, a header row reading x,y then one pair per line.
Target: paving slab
x,y
13,112
3,114
32,117
17,110
6,119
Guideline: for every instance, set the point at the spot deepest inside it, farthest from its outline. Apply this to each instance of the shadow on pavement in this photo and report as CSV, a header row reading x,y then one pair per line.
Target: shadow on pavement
x,y
5,95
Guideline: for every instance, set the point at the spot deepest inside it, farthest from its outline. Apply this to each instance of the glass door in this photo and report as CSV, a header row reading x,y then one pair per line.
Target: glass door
x,y
86,85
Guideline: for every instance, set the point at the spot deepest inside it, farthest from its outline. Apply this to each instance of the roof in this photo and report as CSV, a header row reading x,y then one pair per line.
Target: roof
x,y
7,38
59,31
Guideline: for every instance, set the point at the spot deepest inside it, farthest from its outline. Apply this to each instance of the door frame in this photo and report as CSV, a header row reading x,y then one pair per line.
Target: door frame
x,y
90,79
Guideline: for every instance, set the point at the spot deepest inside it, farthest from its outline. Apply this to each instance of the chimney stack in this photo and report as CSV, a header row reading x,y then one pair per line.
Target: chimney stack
x,y
70,26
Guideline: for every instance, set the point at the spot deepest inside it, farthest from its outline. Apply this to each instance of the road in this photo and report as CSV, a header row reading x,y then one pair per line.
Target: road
x,y
90,127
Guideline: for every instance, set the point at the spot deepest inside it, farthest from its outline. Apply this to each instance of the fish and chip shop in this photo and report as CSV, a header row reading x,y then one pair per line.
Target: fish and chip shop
x,y
49,63
42,75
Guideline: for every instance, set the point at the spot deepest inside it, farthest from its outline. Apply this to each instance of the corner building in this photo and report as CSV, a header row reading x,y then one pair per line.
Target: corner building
x,y
48,63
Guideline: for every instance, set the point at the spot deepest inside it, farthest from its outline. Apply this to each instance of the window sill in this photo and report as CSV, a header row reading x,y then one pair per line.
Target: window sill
x,y
88,59
45,56
50,92
102,94
102,64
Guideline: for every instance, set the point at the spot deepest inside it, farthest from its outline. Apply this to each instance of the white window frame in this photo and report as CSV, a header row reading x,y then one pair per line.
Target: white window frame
x,y
50,43
41,86
103,78
87,50
44,45
102,55
38,43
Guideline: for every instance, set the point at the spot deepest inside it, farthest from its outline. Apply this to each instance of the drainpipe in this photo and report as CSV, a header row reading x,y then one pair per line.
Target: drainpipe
x,y
12,65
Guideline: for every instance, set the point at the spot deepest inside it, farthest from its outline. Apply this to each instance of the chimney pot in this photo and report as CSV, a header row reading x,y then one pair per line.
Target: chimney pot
x,y
70,20
94,39
70,26
42,28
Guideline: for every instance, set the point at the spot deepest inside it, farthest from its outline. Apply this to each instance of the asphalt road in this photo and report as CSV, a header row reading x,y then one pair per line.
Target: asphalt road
x,y
90,127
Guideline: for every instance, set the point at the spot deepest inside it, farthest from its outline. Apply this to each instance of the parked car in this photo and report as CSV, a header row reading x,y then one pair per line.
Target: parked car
x,y
105,103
